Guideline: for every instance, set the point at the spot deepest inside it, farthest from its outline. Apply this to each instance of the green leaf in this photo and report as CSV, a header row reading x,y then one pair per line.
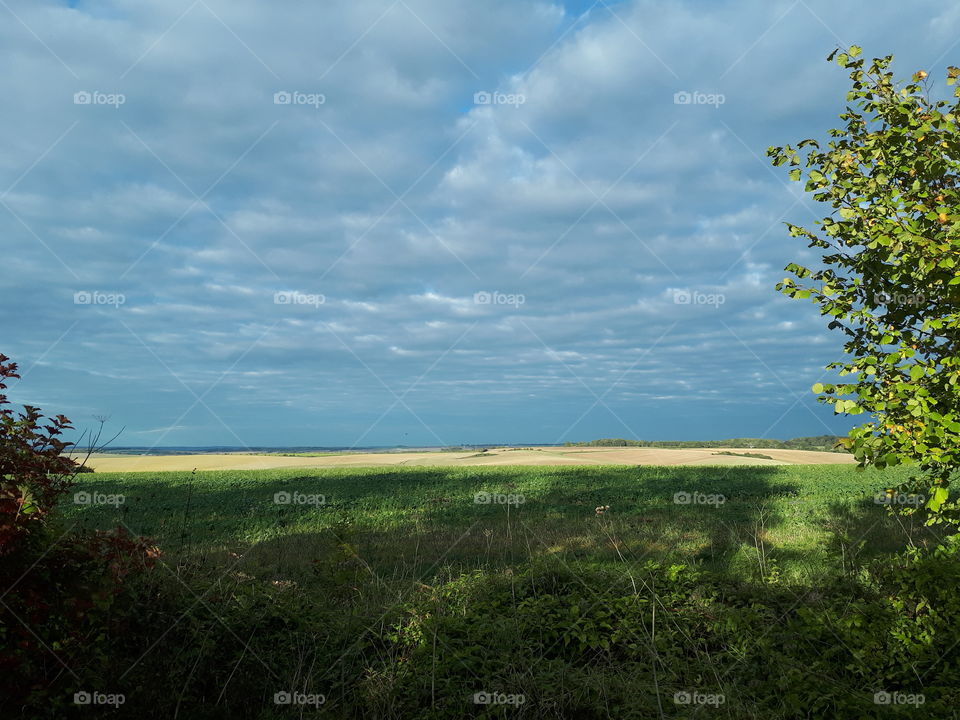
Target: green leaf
x,y
938,498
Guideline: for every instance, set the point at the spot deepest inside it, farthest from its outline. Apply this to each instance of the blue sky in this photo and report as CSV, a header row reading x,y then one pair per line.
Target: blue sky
x,y
386,258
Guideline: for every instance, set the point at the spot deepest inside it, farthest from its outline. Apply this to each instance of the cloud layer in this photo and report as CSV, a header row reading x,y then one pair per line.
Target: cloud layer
x,y
421,221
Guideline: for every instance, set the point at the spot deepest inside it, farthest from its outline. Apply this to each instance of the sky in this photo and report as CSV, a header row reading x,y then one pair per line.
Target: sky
x,y
422,222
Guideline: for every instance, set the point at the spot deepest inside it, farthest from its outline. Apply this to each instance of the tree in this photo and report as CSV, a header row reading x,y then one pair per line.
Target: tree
x,y
890,281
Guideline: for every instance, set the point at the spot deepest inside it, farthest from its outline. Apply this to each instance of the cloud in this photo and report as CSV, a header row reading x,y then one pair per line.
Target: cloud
x,y
382,187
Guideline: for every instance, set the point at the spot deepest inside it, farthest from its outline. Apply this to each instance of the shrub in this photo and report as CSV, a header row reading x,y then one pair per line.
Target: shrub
x,y
60,589
34,472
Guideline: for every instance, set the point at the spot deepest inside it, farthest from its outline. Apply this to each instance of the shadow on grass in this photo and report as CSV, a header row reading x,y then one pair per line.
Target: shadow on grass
x,y
745,521
400,592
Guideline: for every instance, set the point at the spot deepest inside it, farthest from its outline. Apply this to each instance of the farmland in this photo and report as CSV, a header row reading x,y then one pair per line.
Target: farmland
x,y
503,456
790,509
404,592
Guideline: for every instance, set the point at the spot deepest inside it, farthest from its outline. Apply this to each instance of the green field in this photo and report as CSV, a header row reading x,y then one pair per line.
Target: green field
x,y
804,520
393,593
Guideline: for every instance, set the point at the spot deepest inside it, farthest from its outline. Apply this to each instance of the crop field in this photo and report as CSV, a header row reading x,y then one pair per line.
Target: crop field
x,y
601,591
466,458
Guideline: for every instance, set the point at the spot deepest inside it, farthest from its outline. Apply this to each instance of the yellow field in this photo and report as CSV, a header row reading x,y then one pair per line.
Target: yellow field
x,y
496,456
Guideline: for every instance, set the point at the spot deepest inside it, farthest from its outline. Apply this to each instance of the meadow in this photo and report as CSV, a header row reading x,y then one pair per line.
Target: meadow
x,y
533,591
803,521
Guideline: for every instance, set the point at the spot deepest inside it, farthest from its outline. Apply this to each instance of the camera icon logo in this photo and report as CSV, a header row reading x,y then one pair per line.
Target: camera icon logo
x,y
882,698
482,298
482,98
682,697
82,98
282,698
82,698
81,498
482,498
282,298
282,98
482,698
82,298
681,297
282,498
682,498
682,98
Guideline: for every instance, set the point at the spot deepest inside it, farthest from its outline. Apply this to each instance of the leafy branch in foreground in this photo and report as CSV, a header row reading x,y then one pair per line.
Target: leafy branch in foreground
x,y
890,245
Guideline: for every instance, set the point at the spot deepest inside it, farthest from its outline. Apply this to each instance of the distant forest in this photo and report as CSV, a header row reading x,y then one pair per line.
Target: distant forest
x,y
826,443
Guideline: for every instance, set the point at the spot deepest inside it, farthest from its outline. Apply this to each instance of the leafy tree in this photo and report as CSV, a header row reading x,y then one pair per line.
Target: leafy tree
x,y
891,247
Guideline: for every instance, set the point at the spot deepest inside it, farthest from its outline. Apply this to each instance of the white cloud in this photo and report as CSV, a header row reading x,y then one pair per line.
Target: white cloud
x,y
494,197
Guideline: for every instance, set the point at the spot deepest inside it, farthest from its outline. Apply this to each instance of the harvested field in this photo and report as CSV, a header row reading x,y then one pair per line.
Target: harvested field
x,y
493,457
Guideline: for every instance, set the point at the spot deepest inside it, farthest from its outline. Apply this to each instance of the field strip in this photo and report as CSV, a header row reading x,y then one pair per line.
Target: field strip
x,y
493,457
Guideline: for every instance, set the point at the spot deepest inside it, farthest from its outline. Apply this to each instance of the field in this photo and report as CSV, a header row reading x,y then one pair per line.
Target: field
x,y
795,512
468,458
585,591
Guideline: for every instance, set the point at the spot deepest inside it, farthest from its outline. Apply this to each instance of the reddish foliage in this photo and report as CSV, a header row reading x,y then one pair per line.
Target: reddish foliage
x,y
34,472
61,591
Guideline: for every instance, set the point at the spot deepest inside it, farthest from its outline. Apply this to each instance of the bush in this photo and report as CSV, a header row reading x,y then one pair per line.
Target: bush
x,y
60,589
595,644
34,472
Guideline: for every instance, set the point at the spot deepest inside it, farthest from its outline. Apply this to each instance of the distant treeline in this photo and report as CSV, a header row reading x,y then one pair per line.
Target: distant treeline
x,y
818,442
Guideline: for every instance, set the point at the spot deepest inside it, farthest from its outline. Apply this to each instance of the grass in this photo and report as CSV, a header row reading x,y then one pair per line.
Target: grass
x,y
395,593
808,519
